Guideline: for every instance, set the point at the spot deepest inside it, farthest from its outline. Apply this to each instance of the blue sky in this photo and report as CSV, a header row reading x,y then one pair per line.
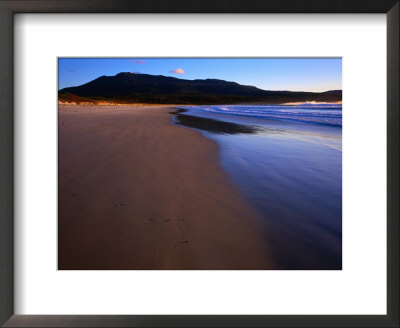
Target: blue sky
x,y
296,74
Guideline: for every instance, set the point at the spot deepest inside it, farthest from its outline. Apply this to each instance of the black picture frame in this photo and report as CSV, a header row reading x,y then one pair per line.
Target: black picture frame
x,y
10,7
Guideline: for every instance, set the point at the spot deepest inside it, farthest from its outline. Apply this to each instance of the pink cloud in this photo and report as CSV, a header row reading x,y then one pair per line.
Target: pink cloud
x,y
138,61
177,71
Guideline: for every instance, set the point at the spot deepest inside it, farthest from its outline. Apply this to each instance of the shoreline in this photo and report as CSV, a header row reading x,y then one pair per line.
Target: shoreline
x,y
279,168
137,192
107,103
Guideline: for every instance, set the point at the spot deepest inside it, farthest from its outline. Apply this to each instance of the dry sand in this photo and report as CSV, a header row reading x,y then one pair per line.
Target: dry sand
x,y
136,192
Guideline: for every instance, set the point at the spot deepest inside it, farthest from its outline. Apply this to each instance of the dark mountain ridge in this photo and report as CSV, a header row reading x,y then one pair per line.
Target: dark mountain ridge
x,y
145,88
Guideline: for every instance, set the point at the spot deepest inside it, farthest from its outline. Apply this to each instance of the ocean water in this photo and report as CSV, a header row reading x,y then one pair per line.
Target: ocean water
x,y
328,114
287,162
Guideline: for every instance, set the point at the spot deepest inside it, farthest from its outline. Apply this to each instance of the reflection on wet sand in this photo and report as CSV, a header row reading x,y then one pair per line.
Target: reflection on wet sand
x,y
291,173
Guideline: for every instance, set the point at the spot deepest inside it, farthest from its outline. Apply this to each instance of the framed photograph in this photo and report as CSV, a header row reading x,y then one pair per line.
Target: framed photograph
x,y
203,164
280,153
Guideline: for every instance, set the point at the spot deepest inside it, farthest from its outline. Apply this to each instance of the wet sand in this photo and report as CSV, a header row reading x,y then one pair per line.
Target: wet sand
x,y
136,192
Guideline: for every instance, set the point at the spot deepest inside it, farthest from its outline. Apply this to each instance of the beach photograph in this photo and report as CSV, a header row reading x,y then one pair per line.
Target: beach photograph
x,y
199,163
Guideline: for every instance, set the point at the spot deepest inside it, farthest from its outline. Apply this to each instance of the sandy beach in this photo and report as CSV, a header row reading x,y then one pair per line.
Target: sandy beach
x,y
136,192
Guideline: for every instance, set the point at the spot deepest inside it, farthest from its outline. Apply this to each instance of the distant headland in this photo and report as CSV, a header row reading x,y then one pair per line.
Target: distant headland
x,y
130,88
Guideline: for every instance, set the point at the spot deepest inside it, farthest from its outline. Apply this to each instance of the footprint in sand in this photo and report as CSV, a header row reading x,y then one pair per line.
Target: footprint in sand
x,y
119,205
